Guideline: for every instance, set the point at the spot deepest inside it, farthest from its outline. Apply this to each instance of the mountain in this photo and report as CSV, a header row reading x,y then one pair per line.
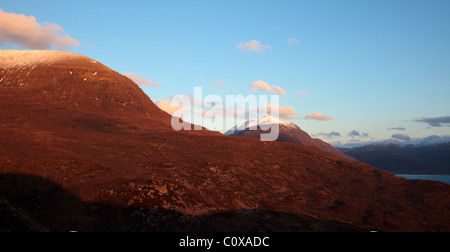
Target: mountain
x,y
83,148
400,158
288,132
430,140
65,91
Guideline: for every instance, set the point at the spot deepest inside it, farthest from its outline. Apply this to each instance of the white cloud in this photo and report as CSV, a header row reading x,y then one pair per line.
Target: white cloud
x,y
286,113
319,117
254,46
167,106
194,103
25,32
261,85
292,42
141,81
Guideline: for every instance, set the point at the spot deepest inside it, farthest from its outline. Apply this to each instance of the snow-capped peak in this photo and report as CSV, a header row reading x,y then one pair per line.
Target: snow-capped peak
x,y
254,124
19,58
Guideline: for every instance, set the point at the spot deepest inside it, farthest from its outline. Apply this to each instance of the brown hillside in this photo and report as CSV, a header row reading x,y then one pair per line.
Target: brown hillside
x,y
82,147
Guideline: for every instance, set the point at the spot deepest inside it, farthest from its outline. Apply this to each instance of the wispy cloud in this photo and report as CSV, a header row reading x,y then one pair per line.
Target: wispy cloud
x,y
141,81
403,137
254,46
330,135
261,85
201,80
356,133
319,117
435,121
291,42
302,93
25,32
193,103
398,128
224,112
206,114
286,113
219,84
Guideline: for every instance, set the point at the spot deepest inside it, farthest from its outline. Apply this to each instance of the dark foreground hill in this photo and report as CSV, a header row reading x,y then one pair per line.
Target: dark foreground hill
x,y
83,148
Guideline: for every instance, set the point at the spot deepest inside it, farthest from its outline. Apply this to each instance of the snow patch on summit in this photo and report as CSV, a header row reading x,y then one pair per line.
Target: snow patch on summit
x,y
263,121
21,58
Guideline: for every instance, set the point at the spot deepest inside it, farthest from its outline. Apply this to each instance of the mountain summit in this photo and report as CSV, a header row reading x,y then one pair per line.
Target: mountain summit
x,y
71,89
255,124
67,77
289,132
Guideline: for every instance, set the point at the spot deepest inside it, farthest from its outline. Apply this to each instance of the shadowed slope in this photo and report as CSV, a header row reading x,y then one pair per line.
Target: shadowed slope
x,y
30,203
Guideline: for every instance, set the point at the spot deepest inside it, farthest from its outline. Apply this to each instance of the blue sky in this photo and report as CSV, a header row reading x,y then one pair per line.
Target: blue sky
x,y
370,65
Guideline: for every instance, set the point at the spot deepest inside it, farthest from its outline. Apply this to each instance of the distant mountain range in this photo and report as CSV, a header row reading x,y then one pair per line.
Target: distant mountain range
x,y
289,132
430,155
405,142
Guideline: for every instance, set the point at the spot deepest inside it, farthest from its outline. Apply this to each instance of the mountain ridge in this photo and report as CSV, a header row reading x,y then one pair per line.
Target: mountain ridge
x,y
288,132
430,140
